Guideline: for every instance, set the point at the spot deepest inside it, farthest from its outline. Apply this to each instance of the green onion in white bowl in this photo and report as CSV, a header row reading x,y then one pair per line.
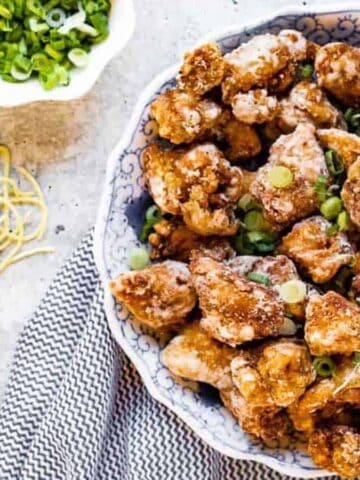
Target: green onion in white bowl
x,y
63,31
60,78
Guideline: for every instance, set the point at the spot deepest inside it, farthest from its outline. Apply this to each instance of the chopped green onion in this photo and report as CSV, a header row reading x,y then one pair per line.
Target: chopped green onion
x,y
19,74
324,366
138,258
332,230
343,221
306,70
280,176
248,243
53,53
37,27
56,17
334,163
356,359
321,188
5,13
352,118
258,278
153,215
41,63
78,57
254,220
331,208
87,29
34,6
247,202
288,327
293,291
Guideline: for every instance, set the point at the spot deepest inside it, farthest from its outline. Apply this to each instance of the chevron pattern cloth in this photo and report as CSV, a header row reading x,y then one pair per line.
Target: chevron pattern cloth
x,y
75,407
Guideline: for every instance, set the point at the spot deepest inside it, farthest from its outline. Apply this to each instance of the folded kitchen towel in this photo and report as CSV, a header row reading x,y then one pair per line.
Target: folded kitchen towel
x,y
75,408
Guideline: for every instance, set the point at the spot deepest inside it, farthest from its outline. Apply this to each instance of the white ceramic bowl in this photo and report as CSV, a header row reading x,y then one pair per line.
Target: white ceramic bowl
x,y
121,23
119,220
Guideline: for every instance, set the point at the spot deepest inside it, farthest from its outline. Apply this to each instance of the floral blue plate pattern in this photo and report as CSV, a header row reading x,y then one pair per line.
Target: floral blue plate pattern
x,y
121,215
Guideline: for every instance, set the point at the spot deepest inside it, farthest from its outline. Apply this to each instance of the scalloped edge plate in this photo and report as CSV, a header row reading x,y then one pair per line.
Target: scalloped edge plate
x,y
290,469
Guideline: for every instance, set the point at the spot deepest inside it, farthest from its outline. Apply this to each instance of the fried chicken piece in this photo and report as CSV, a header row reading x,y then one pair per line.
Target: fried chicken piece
x,y
255,106
346,144
307,103
297,44
269,423
194,355
159,295
278,269
172,239
350,192
263,62
327,398
337,449
319,255
337,67
183,117
301,154
242,140
276,373
332,325
162,178
200,184
213,187
202,70
234,309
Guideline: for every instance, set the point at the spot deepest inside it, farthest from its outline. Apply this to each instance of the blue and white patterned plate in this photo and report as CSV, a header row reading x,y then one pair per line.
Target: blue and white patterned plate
x,y
121,214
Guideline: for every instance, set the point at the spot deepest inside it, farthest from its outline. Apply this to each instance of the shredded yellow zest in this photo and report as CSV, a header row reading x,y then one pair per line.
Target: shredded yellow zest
x,y
12,222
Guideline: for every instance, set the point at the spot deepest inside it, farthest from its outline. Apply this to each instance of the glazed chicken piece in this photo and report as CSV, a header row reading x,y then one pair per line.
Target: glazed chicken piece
x,y
307,103
200,184
194,355
319,255
300,48
242,140
327,398
263,62
214,187
346,144
183,117
350,192
278,270
202,70
332,325
158,296
269,423
172,239
337,68
234,309
300,153
255,106
162,177
337,449
276,373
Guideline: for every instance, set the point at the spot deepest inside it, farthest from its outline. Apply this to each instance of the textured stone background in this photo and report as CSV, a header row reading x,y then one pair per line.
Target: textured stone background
x,y
66,144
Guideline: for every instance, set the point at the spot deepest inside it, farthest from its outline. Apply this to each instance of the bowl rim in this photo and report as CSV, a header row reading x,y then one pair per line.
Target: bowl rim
x,y
85,79
98,246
